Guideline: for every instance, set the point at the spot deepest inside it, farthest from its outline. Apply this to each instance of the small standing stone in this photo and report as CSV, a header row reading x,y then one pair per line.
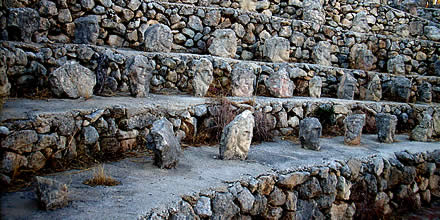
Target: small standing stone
x,y
276,49
423,131
243,79
401,89
310,131
374,89
347,87
362,58
224,43
386,127
87,30
202,76
425,92
139,70
166,146
353,129
280,85
51,193
322,53
237,136
158,38
315,85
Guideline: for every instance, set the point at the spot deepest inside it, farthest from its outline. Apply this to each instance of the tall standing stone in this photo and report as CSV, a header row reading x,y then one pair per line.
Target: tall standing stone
x,y
243,79
401,88
22,24
322,53
86,30
224,43
72,80
310,131
315,85
374,89
276,49
202,76
51,194
386,127
353,129
158,38
237,136
425,92
280,85
167,148
139,71
347,87
423,131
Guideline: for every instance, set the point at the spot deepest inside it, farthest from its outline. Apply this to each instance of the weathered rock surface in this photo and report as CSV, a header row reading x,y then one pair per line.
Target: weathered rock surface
x,y
51,194
243,79
72,80
139,71
86,30
386,127
276,49
23,21
347,87
313,11
203,76
158,38
432,32
167,148
322,53
424,130
237,136
315,85
310,131
360,22
374,89
280,85
401,89
396,65
425,92
362,58
353,129
224,43
5,86
223,206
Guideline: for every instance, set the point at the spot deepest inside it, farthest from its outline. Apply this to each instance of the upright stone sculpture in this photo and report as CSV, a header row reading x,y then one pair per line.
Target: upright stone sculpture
x,y
322,53
386,127
315,85
401,88
203,76
51,194
72,80
276,49
396,65
347,87
139,71
166,148
425,92
353,129
22,24
158,38
86,30
374,89
224,43
243,79
280,85
310,131
362,58
237,136
424,130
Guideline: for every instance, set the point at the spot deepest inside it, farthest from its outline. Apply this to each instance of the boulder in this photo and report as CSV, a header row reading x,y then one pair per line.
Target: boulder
x,y
425,92
353,129
401,89
360,22
424,130
203,76
72,80
243,79
310,131
362,58
322,53
86,30
237,136
276,49
347,87
279,84
374,89
158,38
51,194
386,127
139,70
166,147
224,43
22,24
396,65
315,85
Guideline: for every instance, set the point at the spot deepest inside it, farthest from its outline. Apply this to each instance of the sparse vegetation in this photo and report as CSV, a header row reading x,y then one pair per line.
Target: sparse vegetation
x,y
100,178
224,114
262,129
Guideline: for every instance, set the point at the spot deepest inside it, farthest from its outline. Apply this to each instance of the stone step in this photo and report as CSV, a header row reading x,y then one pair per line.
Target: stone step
x,y
30,67
38,134
254,33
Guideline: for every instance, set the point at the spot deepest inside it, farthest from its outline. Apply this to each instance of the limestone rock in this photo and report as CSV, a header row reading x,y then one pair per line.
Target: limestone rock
x,y
353,129
167,148
313,11
203,76
425,92
72,80
203,207
401,88
237,136
48,8
51,194
310,131
280,85
360,22
315,85
432,32
158,38
223,206
90,135
224,43
396,65
374,89
437,67
347,87
362,58
86,30
423,131
23,21
243,79
322,53
386,127
276,49
139,71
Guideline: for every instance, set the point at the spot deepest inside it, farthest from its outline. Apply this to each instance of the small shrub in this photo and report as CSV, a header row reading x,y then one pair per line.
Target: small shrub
x,y
263,127
100,178
326,115
224,114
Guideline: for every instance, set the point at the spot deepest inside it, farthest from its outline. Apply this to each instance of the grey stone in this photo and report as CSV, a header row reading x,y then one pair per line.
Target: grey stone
x,y
5,86
243,79
343,188
425,92
212,18
396,65
386,127
315,85
289,181
260,205
167,148
203,76
195,23
291,201
432,32
48,8
437,67
237,136
203,207
313,11
401,88
224,43
184,211
360,23
139,71
23,21
245,200
347,87
353,129
51,194
20,141
310,131
374,89
436,122
88,4
158,38
90,135
86,30
322,53
277,197
223,206
362,58
276,49
310,189
72,80
36,161
308,209
279,84
11,162
4,131
134,4
423,131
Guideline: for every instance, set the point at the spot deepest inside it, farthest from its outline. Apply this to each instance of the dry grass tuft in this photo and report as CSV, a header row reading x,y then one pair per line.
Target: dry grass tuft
x,y
263,127
100,178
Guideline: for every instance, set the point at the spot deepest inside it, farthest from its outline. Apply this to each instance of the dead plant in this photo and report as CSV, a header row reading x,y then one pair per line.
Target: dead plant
x,y
100,178
263,127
